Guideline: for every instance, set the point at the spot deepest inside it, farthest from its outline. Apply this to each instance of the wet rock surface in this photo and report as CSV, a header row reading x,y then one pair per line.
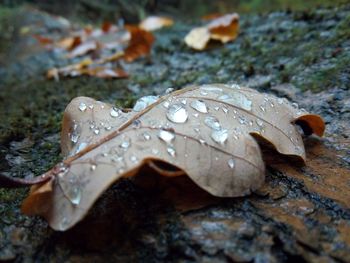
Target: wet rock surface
x,y
302,213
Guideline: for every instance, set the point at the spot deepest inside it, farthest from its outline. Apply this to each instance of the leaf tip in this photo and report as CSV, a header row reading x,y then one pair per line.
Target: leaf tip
x,y
311,123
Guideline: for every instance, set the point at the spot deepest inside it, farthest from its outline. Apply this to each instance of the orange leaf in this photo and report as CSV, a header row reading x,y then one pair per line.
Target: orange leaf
x,y
140,43
224,29
43,40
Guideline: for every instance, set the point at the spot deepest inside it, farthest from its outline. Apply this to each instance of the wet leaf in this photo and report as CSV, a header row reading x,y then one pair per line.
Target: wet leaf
x,y
152,23
224,29
207,132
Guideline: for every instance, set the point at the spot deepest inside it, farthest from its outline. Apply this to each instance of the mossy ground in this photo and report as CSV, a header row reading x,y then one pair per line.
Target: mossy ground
x,y
309,49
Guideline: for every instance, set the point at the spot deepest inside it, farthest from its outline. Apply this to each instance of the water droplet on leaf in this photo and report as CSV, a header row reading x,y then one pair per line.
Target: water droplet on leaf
x,y
166,136
212,122
231,163
219,136
144,102
115,112
199,106
177,113
82,106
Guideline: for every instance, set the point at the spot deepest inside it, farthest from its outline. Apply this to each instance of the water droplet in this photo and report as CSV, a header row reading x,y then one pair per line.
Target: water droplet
x,y
242,120
295,105
280,100
212,122
203,93
133,158
146,136
91,107
262,108
115,112
199,106
155,151
259,122
82,106
195,115
235,86
136,123
125,145
196,129
298,150
96,131
301,111
93,167
108,127
219,136
184,101
144,102
171,151
74,136
225,110
168,90
272,105
166,136
166,104
216,108
71,189
237,99
177,113
117,158
231,163
203,142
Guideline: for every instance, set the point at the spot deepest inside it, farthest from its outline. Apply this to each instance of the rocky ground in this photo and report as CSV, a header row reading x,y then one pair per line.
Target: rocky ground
x,y
301,214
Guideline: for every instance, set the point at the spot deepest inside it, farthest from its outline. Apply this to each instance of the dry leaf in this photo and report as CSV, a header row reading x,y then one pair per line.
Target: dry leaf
x,y
152,23
140,43
90,68
224,29
69,43
43,40
107,45
83,48
104,72
207,132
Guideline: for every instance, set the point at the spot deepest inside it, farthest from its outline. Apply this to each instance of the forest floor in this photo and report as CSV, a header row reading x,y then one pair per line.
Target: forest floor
x,y
301,214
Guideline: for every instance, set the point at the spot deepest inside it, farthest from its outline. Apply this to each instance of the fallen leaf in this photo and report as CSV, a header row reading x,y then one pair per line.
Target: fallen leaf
x,y
90,68
69,43
83,48
140,43
152,23
211,16
224,28
207,132
70,70
43,40
104,72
